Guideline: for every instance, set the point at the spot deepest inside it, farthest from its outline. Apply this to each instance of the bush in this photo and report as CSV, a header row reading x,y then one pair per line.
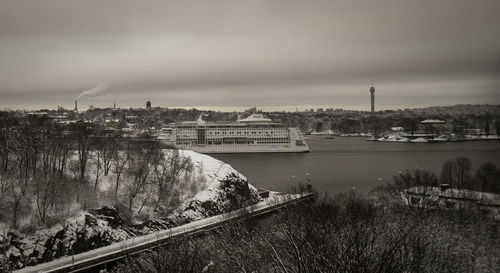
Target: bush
x,y
345,233
29,229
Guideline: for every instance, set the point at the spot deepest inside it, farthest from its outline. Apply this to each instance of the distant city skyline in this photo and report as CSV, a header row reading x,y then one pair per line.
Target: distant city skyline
x,y
227,55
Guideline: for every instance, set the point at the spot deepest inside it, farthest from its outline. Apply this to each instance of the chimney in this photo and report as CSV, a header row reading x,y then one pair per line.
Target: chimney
x,y
76,105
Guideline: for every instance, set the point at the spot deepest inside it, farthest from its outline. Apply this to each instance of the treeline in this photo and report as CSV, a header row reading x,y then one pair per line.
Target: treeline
x,y
380,122
455,174
346,233
49,171
458,174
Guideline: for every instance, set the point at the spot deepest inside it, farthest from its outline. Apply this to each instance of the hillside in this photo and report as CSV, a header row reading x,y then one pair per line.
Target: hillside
x,y
211,187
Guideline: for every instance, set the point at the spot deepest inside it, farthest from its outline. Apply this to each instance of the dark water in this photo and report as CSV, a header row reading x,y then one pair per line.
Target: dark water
x,y
340,164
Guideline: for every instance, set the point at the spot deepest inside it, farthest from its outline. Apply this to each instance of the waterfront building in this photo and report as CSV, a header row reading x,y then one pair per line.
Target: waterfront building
x,y
433,126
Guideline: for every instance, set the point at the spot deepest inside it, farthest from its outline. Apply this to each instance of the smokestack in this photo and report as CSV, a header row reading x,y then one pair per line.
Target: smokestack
x,y
76,105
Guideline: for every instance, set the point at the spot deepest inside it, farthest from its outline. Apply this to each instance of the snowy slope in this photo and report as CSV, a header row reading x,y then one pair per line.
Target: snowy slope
x,y
214,188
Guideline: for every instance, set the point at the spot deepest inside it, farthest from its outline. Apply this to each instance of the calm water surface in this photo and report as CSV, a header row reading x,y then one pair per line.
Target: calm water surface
x,y
336,165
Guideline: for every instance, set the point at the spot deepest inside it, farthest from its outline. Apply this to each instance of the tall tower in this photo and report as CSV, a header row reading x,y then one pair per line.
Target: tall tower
x,y
76,105
372,97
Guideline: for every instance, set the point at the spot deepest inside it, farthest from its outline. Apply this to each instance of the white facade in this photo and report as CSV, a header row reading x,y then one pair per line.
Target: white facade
x,y
254,134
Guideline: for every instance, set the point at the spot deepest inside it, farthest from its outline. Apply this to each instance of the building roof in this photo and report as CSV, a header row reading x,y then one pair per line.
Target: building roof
x,y
257,117
453,193
397,129
433,121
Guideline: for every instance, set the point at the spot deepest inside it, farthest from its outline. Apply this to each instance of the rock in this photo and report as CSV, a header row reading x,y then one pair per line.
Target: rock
x,y
15,258
109,214
15,237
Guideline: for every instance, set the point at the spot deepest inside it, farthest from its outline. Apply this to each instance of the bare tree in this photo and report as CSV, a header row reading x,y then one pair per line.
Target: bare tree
x,y
81,131
463,172
19,173
16,199
406,184
160,171
108,149
139,168
177,165
486,175
120,160
98,161
42,198
448,173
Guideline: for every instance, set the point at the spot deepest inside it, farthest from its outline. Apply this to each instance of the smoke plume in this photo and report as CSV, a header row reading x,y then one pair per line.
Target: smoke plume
x,y
96,91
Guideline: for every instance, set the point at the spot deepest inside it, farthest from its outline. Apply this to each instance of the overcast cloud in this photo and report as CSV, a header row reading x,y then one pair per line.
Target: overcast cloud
x,y
233,54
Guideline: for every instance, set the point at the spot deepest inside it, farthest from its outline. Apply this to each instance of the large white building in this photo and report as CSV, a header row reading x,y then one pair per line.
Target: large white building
x,y
255,134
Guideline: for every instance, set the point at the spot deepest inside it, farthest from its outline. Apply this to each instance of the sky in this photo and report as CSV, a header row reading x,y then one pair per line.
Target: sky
x,y
229,55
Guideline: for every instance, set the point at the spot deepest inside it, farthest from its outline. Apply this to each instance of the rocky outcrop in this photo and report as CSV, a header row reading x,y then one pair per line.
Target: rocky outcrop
x,y
100,227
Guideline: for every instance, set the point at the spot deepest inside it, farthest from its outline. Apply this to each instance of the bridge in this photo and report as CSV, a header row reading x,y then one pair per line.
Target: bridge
x,y
99,257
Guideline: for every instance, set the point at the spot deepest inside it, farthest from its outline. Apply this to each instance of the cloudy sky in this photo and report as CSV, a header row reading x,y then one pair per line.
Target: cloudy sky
x,y
235,54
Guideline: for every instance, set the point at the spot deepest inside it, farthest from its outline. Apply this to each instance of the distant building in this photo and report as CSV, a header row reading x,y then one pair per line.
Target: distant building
x,y
112,122
433,126
131,119
148,104
397,131
312,110
329,110
433,121
319,110
38,114
250,111
62,117
446,198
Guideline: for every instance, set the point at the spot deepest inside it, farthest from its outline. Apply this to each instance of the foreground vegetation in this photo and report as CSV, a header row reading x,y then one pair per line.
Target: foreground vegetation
x,y
350,233
50,172
346,233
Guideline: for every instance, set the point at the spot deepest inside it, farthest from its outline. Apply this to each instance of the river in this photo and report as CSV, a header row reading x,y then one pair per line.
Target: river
x,y
345,163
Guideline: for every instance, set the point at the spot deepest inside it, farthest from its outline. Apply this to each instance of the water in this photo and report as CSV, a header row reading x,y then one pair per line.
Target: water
x,y
340,164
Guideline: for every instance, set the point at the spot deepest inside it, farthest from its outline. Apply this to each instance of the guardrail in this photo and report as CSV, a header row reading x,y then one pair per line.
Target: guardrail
x,y
100,256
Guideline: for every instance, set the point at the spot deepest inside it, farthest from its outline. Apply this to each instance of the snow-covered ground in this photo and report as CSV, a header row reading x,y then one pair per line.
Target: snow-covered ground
x,y
201,184
397,138
212,171
212,187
